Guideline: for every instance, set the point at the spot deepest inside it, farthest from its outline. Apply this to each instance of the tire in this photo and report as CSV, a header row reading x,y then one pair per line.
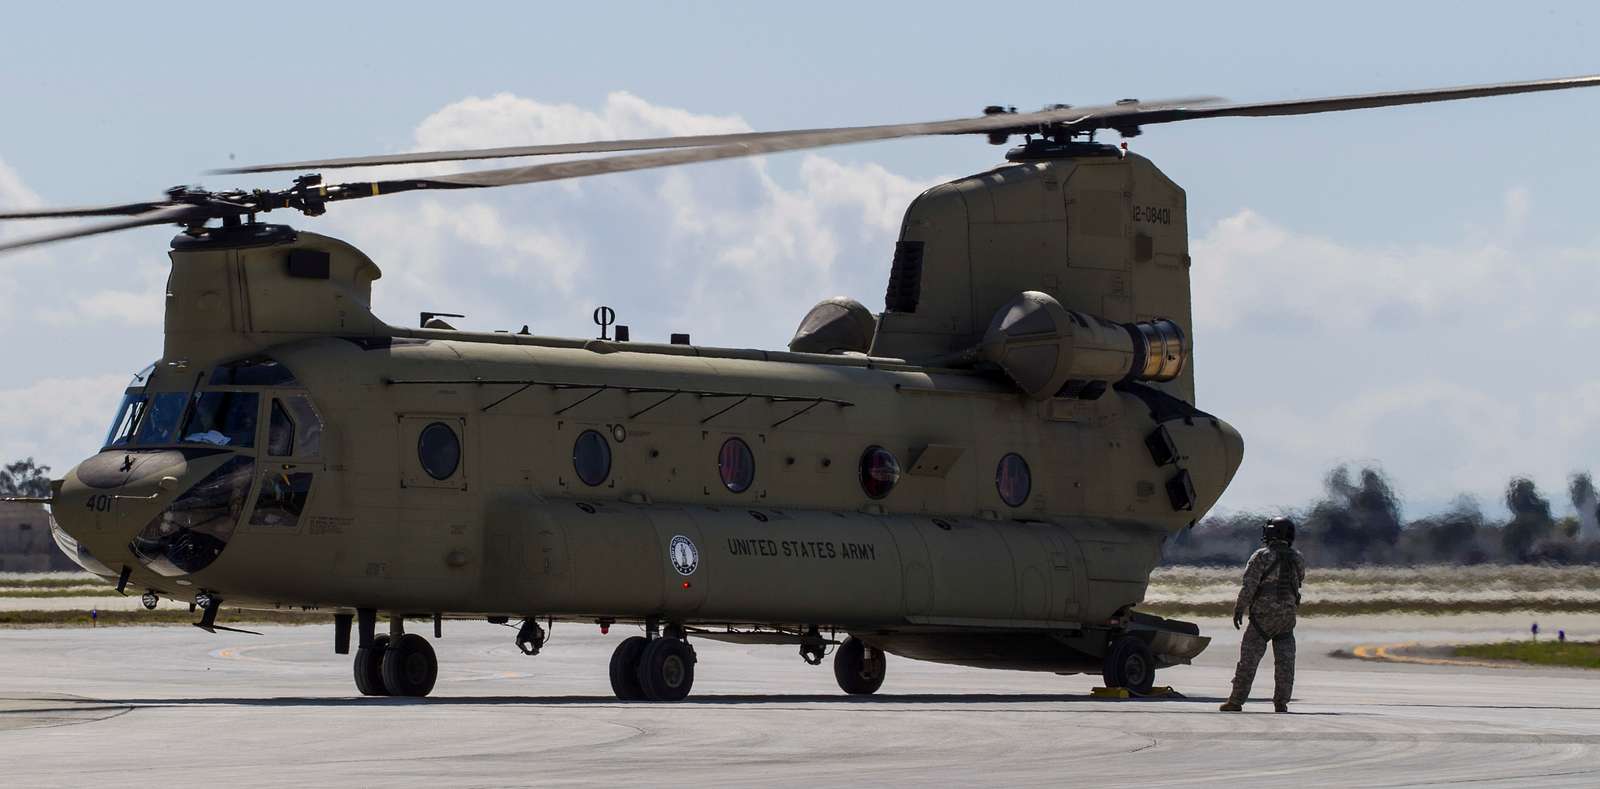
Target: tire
x,y
666,669
369,667
1130,664
409,666
858,668
625,668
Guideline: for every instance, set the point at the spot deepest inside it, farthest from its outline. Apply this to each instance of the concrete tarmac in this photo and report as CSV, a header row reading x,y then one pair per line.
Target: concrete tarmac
x,y
173,706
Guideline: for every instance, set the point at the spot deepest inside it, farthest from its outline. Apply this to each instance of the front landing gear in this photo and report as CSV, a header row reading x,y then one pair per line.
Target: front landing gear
x,y
859,668
369,667
658,669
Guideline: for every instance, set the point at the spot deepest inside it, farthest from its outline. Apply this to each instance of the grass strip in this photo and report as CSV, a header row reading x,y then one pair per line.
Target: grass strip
x,y
1312,608
169,616
101,591
71,581
1579,654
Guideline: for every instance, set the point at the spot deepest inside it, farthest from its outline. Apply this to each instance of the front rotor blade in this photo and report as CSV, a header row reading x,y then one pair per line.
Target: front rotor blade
x,y
1024,121
424,157
129,209
166,214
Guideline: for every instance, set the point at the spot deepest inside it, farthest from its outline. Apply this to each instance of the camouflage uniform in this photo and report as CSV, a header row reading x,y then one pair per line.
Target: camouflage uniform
x,y
1270,595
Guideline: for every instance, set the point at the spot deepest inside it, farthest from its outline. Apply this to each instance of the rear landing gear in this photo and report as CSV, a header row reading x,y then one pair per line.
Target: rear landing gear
x,y
658,669
1130,664
859,668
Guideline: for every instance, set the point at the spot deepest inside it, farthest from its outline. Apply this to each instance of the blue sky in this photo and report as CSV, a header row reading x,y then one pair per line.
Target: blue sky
x,y
1410,286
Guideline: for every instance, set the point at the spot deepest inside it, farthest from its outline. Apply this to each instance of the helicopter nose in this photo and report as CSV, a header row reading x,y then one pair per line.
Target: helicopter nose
x,y
105,500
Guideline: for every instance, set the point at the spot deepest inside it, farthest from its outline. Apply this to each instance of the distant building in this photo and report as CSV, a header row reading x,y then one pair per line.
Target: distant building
x,y
25,542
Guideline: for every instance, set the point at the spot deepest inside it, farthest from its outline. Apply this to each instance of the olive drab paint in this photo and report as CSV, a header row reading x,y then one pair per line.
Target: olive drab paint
x,y
507,513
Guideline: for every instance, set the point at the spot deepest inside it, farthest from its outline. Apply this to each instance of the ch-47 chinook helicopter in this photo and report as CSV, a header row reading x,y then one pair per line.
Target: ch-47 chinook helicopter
x,y
982,474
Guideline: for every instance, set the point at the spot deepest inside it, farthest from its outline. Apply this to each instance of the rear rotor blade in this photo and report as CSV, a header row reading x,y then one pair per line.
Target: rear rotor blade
x,y
773,142
1023,121
1336,103
166,214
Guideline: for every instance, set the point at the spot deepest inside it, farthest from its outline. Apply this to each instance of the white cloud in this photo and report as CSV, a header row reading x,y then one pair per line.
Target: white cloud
x,y
58,421
1454,366
727,250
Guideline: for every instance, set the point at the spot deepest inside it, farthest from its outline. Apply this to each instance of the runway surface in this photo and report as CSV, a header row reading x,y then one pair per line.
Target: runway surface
x,y
173,706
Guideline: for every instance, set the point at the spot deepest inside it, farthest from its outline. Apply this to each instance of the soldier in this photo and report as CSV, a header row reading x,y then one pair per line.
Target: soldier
x,y
1270,595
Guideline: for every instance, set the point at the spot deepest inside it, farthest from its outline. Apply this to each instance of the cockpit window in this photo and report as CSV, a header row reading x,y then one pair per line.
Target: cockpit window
x,y
159,422
254,371
222,418
126,420
142,377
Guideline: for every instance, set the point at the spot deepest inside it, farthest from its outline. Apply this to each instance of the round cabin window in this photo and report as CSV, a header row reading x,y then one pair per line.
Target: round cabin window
x,y
879,472
439,451
737,465
591,458
1013,480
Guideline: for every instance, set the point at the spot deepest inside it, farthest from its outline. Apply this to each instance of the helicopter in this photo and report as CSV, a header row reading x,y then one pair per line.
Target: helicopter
x,y
983,473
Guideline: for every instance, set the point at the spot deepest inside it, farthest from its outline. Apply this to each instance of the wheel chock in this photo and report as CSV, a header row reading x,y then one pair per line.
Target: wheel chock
x,y
1157,692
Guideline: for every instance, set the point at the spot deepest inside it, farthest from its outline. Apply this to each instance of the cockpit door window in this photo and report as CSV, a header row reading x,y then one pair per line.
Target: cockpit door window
x,y
282,499
280,431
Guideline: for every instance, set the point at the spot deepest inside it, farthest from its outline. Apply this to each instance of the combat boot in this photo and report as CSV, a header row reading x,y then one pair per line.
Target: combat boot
x,y
1231,706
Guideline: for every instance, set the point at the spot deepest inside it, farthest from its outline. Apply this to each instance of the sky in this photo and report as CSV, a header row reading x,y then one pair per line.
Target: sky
x,y
1410,287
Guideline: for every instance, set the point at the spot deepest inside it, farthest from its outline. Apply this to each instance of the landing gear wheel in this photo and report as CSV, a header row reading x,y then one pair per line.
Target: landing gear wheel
x,y
1129,664
409,666
858,668
666,669
369,668
625,668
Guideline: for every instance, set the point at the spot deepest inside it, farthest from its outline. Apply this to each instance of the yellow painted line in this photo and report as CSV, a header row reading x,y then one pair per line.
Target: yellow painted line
x,y
1383,653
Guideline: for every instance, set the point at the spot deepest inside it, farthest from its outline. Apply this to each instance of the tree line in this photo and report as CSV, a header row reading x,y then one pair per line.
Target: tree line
x,y
1358,522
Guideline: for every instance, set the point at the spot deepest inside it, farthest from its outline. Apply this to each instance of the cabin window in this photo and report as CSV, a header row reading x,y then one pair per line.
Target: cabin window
x,y
879,472
591,457
439,451
281,500
737,465
222,418
1013,479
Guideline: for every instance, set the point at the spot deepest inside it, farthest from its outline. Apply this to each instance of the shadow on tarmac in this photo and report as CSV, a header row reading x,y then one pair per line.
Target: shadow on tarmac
x,y
612,701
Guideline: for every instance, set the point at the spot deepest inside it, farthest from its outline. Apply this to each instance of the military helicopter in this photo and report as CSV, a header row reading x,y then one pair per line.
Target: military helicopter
x,y
982,474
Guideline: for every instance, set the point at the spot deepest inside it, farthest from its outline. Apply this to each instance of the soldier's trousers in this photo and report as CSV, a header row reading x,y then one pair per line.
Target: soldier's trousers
x,y
1250,653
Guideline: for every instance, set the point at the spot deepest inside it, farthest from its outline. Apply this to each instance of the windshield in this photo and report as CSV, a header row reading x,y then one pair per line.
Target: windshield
x,y
127,418
222,418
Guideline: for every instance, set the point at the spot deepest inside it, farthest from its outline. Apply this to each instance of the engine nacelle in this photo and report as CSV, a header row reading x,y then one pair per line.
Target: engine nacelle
x,y
1044,346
